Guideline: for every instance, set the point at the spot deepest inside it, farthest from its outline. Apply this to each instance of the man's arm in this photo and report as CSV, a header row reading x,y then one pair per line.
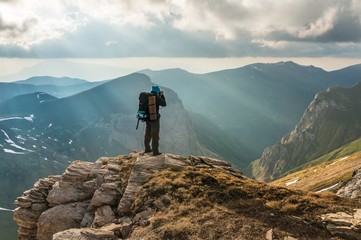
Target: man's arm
x,y
161,99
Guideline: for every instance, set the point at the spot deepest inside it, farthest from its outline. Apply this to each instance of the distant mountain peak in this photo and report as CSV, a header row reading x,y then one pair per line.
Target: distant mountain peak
x,y
48,80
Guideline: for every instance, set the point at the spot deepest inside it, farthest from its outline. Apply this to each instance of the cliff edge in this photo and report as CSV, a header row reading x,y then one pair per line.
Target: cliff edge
x,y
139,196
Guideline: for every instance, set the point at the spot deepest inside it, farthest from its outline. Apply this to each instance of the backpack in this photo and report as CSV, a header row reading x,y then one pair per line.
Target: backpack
x,y
147,109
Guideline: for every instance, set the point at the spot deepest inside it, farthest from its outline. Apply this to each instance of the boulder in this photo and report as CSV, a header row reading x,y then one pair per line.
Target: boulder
x,y
103,215
344,225
84,234
352,188
60,218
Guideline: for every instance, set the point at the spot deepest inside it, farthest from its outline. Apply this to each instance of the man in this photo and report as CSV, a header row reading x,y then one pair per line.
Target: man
x,y
152,125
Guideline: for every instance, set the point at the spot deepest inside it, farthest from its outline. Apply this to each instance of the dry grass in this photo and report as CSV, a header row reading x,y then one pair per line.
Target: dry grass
x,y
209,204
323,175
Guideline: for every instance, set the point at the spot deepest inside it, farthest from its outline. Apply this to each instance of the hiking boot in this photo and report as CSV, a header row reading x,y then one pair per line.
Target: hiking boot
x,y
156,153
148,150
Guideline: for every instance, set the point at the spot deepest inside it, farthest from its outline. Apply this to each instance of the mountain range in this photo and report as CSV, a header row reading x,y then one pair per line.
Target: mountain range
x,y
332,120
47,122
40,131
58,87
257,104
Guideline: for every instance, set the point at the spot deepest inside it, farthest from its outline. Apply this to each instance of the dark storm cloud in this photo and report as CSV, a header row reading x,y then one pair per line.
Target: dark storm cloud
x,y
347,28
204,28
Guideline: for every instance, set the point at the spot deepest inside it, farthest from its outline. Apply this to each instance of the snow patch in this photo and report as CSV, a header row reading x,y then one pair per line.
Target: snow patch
x,y
34,146
344,158
328,188
20,137
32,138
51,124
46,159
293,182
12,143
6,209
43,147
11,151
30,118
256,68
70,141
10,118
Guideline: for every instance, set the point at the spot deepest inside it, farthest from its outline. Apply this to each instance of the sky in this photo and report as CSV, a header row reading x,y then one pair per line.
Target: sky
x,y
34,30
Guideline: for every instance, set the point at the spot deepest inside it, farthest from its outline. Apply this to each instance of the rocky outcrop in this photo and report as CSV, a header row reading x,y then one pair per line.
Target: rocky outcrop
x,y
331,120
94,200
347,226
352,188
140,196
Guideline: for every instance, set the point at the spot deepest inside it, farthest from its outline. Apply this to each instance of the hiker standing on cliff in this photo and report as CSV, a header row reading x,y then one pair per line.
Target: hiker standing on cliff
x,y
152,125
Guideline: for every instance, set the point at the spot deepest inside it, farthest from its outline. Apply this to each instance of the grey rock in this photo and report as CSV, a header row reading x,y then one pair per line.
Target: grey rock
x,y
26,218
87,193
65,192
344,225
352,188
84,234
107,194
103,215
59,218
39,206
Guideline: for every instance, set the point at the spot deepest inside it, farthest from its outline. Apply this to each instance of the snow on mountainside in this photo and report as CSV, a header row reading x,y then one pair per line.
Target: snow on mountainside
x,y
39,133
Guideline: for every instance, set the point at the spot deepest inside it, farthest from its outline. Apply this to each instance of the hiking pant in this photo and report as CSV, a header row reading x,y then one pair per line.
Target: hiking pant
x,y
152,134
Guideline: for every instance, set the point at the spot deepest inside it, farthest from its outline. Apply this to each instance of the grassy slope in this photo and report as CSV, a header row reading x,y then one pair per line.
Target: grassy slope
x,y
328,170
209,204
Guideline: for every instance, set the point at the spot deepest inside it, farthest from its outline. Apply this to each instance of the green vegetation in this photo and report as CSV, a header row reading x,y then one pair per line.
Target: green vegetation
x,y
332,120
346,150
321,175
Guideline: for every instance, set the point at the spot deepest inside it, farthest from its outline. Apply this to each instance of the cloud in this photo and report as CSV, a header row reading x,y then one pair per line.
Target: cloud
x,y
174,28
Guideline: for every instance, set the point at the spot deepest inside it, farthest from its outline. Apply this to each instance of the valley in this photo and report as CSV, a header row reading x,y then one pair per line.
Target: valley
x,y
46,123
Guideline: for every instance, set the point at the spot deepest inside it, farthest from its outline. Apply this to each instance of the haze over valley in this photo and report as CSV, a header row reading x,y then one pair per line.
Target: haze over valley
x,y
260,136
